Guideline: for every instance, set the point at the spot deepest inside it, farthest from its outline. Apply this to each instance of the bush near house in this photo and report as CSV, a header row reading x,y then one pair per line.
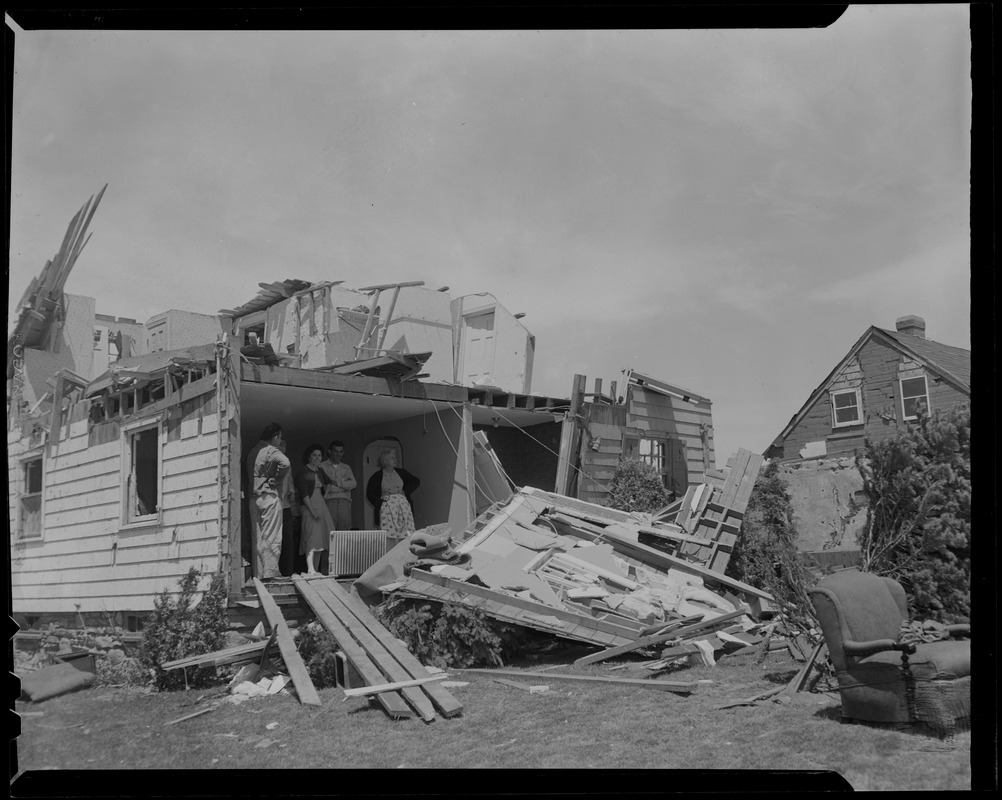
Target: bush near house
x,y
637,486
766,554
918,526
451,635
177,629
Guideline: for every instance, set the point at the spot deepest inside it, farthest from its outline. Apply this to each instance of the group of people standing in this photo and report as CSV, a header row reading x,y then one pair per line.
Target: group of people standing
x,y
292,516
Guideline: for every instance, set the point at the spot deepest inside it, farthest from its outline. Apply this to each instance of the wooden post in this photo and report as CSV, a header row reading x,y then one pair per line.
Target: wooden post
x,y
598,390
569,438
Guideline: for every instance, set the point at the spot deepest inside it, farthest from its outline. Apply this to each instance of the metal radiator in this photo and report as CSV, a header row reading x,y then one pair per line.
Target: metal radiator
x,y
353,552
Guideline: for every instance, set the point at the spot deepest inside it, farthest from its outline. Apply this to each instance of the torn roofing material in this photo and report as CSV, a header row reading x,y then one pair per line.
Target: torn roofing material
x,y
141,367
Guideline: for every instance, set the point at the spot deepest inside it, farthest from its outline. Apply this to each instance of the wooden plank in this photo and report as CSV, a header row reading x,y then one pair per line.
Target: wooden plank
x,y
650,556
293,662
447,705
669,632
377,651
640,683
800,678
390,687
391,702
217,658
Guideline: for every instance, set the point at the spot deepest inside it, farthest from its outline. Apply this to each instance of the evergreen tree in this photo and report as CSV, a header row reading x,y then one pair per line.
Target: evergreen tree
x,y
918,526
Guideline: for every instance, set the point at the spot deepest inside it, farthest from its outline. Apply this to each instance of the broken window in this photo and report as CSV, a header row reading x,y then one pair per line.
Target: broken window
x,y
31,499
143,482
653,452
846,408
914,396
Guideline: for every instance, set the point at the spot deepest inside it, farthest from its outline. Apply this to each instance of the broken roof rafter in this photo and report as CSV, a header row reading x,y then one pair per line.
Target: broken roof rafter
x,y
44,294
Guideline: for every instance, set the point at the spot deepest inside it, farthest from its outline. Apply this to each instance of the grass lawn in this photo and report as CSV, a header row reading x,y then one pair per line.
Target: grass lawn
x,y
572,726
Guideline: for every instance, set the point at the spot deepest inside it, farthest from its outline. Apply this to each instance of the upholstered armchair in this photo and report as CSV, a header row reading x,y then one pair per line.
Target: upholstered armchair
x,y
882,680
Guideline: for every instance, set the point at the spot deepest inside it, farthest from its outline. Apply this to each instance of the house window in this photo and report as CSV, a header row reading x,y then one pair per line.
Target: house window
x,y
846,408
30,505
914,396
652,451
142,485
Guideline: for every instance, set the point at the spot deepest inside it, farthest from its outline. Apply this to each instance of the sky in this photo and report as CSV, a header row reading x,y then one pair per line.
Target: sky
x,y
724,210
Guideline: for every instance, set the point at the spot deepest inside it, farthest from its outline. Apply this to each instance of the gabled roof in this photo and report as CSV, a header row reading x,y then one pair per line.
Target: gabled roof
x,y
952,364
944,359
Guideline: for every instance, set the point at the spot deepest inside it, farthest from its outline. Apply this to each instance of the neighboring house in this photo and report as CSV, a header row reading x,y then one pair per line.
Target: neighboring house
x,y
662,424
119,485
879,385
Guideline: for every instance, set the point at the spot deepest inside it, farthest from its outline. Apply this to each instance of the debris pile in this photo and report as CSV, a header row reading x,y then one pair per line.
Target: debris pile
x,y
591,574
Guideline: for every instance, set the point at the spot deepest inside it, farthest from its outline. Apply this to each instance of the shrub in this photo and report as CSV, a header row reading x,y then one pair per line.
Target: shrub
x,y
318,648
918,524
766,553
176,629
449,635
127,672
637,486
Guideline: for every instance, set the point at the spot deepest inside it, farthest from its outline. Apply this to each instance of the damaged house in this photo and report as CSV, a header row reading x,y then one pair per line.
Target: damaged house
x,y
120,482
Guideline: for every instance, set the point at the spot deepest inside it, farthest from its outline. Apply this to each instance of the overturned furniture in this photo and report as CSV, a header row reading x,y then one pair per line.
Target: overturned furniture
x,y
881,678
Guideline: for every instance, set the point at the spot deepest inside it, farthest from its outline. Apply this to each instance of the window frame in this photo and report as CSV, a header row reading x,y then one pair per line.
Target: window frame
x,y
37,454
832,394
632,447
901,391
128,520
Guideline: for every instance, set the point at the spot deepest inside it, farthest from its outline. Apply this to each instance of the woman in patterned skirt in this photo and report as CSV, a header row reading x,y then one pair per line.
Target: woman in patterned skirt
x,y
389,490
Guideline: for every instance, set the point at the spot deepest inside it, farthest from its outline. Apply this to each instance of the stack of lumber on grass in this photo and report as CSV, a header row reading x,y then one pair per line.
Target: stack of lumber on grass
x,y
579,571
377,656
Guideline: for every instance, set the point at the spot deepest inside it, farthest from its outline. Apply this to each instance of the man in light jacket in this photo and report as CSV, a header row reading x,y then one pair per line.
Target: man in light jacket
x,y
267,467
338,493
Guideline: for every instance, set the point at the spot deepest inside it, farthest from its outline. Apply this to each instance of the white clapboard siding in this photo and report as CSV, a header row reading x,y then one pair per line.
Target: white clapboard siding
x,y
86,558
107,459
103,504
173,483
91,593
176,465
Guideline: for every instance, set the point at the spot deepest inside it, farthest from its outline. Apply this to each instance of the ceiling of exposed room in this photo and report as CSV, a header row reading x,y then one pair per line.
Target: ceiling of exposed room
x,y
300,409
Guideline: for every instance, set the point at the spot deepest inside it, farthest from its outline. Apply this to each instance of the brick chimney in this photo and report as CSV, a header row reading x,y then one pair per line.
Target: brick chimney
x,y
911,325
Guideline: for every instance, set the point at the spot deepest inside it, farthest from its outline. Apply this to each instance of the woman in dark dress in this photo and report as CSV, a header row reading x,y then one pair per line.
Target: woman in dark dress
x,y
317,523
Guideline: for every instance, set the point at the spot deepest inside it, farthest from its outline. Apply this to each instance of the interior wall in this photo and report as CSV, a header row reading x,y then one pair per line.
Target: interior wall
x,y
427,452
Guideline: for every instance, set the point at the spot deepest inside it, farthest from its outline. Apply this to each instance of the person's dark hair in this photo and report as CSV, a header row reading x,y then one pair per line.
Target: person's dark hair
x,y
270,431
309,451
334,444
